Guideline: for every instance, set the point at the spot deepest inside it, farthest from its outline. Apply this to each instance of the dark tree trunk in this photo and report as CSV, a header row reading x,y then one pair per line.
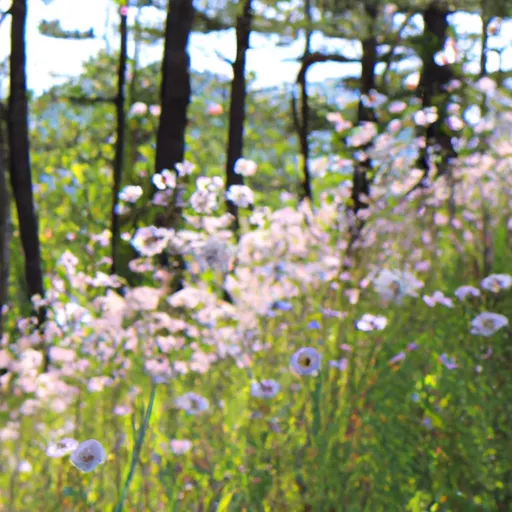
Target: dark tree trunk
x,y
118,160
360,179
5,217
175,90
303,126
237,104
431,87
175,98
19,153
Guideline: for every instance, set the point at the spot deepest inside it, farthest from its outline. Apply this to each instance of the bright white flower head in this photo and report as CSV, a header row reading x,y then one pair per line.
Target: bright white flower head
x,y
166,179
497,282
369,322
245,167
88,455
241,195
203,201
306,361
62,447
426,116
130,194
463,291
192,403
213,184
486,324
138,109
267,388
393,285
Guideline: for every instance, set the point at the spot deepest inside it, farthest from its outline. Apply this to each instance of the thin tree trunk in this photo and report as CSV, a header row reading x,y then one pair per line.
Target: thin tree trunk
x,y
175,90
120,139
431,87
5,217
19,153
237,104
360,180
175,98
304,124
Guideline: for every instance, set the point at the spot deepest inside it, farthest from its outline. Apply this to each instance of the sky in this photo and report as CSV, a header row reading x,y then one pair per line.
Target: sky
x,y
49,58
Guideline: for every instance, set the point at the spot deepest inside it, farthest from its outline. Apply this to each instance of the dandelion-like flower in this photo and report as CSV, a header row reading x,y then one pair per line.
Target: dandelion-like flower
x,y
88,455
192,403
497,282
486,324
306,361
267,388
369,322
62,447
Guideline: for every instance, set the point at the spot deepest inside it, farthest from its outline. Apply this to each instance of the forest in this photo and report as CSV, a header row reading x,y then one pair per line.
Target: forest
x,y
219,296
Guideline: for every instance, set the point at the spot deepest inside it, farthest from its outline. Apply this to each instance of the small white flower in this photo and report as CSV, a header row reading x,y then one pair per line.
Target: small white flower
x,y
369,322
180,446
62,447
166,179
138,109
241,195
185,168
245,167
438,298
130,194
486,324
306,361
394,285
192,403
463,291
88,455
496,282
267,388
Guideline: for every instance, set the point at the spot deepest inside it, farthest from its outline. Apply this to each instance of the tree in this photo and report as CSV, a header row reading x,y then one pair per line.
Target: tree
x,y
19,151
120,134
237,104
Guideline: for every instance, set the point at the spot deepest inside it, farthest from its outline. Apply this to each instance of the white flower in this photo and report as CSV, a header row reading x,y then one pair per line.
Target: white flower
x,y
486,324
496,282
192,403
245,167
138,109
180,446
463,291
438,298
166,179
393,285
241,195
130,194
185,168
267,388
213,184
62,447
150,240
426,116
306,361
369,322
88,455
203,201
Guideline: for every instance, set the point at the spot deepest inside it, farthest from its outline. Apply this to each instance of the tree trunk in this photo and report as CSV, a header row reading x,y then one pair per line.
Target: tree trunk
x,y
5,217
120,139
431,87
19,153
175,90
175,98
237,104
304,124
360,180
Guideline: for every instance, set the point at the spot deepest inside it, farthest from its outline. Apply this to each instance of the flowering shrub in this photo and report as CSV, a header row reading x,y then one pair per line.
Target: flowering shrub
x,y
296,368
